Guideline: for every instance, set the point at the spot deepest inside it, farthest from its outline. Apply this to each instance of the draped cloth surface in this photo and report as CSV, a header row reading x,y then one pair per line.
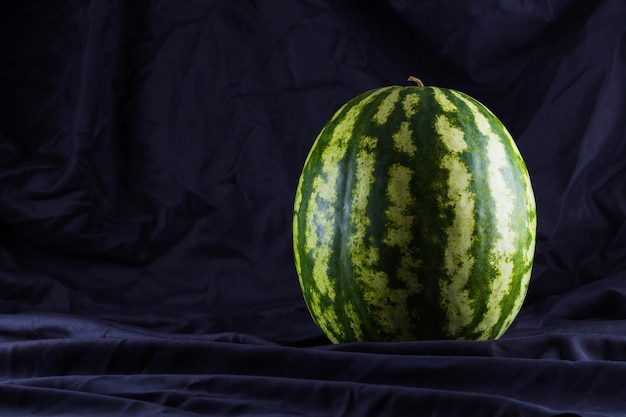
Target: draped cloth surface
x,y
149,155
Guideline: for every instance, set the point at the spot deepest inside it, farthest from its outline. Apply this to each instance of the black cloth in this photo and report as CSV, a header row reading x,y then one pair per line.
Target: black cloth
x,y
149,154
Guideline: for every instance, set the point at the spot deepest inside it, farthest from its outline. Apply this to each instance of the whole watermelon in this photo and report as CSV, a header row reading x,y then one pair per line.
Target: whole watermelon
x,y
414,219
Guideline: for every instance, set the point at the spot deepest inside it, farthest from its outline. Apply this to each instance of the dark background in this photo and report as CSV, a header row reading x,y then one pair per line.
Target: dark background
x,y
149,154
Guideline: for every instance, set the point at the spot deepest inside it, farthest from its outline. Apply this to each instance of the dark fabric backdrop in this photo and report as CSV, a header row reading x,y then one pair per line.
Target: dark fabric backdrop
x,y
149,153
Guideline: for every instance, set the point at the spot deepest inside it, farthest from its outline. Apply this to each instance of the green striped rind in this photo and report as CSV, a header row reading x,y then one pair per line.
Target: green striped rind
x,y
414,219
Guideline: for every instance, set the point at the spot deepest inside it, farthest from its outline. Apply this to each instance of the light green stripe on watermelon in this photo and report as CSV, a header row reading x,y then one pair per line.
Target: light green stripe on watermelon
x,y
409,104
354,320
442,99
363,256
400,216
387,106
459,258
403,139
452,137
460,198
506,242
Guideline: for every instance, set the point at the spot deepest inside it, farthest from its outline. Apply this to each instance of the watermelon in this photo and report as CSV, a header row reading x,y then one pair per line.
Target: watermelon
x,y
414,219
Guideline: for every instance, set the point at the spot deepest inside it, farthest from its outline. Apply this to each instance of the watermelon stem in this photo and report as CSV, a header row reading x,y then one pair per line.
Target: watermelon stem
x,y
416,81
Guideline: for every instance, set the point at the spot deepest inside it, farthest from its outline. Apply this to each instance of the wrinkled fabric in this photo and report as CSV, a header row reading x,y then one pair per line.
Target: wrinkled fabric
x,y
149,155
